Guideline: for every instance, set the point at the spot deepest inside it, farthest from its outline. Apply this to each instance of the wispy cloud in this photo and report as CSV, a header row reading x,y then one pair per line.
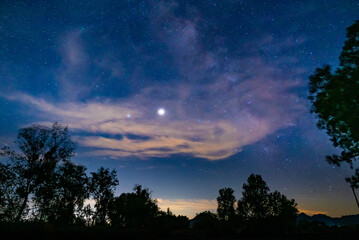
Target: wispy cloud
x,y
208,131
74,66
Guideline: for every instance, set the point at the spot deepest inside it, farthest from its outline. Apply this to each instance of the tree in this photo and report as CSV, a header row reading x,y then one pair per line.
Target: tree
x,y
258,203
71,192
283,212
134,210
9,199
259,206
86,215
205,220
102,187
254,203
335,101
167,221
225,204
61,198
40,149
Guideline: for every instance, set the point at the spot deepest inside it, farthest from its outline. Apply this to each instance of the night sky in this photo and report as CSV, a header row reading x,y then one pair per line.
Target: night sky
x,y
183,97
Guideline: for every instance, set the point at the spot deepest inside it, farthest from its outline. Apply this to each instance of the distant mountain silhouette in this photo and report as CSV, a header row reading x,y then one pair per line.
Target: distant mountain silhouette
x,y
342,221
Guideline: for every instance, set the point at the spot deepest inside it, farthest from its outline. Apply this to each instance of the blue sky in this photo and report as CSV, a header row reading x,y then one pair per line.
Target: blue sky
x,y
231,76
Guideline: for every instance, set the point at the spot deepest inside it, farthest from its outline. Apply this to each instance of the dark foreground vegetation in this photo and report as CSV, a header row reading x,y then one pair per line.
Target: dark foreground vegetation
x,y
43,194
45,231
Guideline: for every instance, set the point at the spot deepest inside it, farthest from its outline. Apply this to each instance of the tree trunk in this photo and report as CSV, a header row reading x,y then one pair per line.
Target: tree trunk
x,y
356,199
22,208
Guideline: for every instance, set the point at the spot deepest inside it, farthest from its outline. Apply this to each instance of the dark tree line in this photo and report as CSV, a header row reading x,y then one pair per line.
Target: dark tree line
x,y
259,210
39,183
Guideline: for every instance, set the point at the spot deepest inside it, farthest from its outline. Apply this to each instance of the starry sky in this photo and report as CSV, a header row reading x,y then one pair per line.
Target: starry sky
x,y
184,97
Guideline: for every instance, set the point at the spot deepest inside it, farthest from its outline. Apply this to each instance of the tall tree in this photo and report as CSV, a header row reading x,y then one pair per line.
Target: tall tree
x,y
258,205
61,199
254,203
40,149
335,101
102,187
225,204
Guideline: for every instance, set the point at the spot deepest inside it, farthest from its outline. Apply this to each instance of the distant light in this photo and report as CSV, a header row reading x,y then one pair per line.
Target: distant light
x,y
161,112
128,115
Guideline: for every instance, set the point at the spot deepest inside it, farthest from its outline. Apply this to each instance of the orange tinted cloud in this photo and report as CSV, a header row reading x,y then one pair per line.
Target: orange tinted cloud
x,y
187,207
312,212
214,139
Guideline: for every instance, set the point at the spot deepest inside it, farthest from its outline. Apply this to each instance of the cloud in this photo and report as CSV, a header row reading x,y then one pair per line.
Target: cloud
x,y
190,207
72,73
71,49
312,212
214,133
220,104
187,207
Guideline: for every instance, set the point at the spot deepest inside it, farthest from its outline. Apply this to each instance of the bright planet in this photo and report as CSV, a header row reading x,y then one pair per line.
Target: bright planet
x,y
161,112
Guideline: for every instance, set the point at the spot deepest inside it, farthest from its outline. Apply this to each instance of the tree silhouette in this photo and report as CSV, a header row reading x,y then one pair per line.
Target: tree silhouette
x,y
60,199
335,101
225,201
167,221
86,215
205,220
134,210
40,149
254,203
283,212
102,187
42,172
259,207
9,199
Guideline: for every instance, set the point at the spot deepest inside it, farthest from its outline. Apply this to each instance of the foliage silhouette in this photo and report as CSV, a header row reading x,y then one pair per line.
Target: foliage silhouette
x,y
167,221
40,150
335,101
205,220
62,198
255,200
102,187
9,199
225,201
134,210
261,210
